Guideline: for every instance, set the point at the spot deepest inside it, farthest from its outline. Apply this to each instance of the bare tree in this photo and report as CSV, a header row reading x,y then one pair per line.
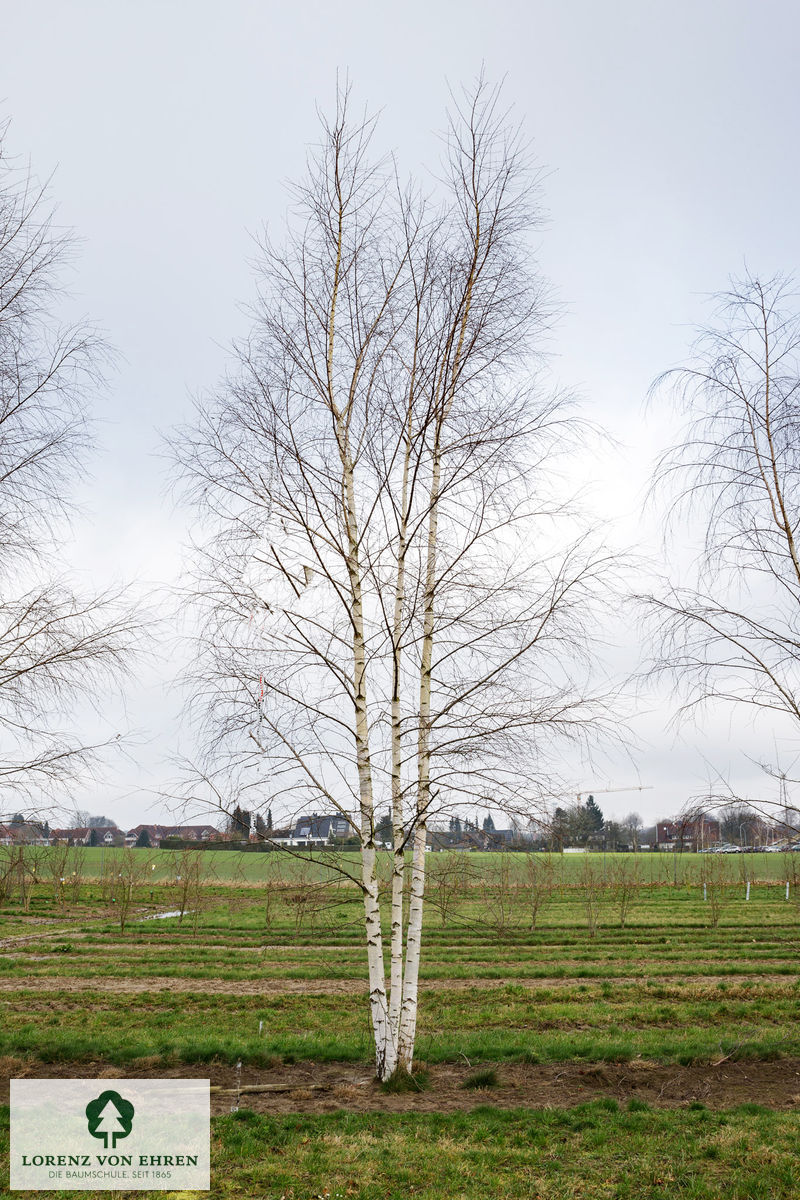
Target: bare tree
x,y
594,894
632,826
17,873
538,883
57,867
625,885
449,878
392,616
716,884
55,644
732,637
501,894
193,875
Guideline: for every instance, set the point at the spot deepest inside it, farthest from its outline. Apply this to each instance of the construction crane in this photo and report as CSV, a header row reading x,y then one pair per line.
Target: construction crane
x,y
645,787
639,787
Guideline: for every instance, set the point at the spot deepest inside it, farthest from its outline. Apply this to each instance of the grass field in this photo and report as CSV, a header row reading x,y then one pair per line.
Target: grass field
x,y
593,1151
235,866
545,961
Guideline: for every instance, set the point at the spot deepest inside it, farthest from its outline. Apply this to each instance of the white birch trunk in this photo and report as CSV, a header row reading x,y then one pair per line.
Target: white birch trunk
x,y
398,824
385,1043
408,1015
409,1008
408,1020
385,1046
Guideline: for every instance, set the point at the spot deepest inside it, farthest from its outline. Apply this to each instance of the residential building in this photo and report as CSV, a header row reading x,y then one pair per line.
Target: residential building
x,y
691,834
314,831
186,833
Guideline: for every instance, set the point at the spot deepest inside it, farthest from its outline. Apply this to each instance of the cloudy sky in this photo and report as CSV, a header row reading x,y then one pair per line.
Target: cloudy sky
x,y
667,134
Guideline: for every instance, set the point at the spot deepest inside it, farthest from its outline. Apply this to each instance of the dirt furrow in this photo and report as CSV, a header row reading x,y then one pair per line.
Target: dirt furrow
x,y
309,1087
326,986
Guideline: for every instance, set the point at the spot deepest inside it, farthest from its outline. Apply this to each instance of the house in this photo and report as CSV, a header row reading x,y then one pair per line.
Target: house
x,y
314,831
495,839
73,837
470,839
195,833
279,836
28,833
321,831
690,834
186,833
105,835
760,832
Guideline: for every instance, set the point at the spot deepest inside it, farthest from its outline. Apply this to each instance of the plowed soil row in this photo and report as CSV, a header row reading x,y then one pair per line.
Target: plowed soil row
x,y
315,1088
322,987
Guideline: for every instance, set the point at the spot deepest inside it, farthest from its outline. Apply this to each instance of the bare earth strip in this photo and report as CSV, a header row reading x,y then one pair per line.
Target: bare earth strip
x,y
314,1088
207,987
312,987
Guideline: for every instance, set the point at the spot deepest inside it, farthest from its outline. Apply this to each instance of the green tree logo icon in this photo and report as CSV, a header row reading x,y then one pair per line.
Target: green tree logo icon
x,y
110,1116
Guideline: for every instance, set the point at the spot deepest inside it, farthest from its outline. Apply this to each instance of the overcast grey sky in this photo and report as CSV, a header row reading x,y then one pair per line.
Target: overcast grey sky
x,y
668,135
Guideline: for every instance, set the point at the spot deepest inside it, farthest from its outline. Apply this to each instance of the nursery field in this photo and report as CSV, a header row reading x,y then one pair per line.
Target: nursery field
x,y
572,1009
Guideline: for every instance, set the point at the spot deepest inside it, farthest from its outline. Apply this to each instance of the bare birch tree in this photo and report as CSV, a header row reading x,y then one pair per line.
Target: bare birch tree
x,y
733,637
390,613
55,644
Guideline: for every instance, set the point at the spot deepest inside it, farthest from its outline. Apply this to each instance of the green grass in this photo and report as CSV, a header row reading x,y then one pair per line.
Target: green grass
x,y
494,1023
235,866
406,1081
668,985
486,1078
594,1151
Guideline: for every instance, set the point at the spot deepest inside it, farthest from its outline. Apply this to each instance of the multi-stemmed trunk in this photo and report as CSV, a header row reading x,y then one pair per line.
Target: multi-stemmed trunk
x,y
357,315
